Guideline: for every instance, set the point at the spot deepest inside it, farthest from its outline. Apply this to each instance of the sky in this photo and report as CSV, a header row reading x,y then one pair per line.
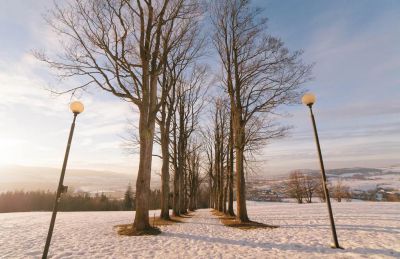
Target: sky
x,y
354,46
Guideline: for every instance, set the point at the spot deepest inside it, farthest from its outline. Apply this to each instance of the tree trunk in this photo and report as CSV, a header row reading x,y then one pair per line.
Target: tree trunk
x,y
181,161
230,166
181,153
164,173
210,182
215,194
225,196
230,195
195,198
221,195
240,188
185,189
146,134
222,171
176,209
240,180
182,208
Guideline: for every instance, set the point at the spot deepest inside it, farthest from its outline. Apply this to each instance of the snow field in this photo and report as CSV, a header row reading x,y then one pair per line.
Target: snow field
x,y
365,230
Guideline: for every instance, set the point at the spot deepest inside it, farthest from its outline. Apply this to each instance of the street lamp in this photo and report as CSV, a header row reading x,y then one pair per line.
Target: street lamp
x,y
76,108
309,99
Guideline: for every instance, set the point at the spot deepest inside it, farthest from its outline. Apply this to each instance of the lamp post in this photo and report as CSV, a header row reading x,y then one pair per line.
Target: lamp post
x,y
309,99
76,108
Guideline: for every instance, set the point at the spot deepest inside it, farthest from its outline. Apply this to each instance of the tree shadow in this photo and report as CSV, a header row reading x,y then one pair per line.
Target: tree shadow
x,y
367,228
295,247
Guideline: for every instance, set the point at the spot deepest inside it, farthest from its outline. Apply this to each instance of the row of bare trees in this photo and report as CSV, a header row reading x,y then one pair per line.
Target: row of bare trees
x,y
219,149
139,51
303,187
258,75
150,54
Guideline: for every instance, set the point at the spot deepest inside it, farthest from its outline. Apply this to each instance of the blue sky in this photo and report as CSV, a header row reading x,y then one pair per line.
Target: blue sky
x,y
355,46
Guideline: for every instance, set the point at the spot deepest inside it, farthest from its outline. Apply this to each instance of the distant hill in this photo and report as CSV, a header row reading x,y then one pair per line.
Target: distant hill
x,y
44,178
346,171
357,178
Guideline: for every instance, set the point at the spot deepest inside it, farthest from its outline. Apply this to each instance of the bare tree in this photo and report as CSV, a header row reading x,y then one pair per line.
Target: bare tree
x,y
208,150
340,191
299,186
310,184
230,180
121,47
260,74
215,143
221,119
293,187
219,135
191,89
180,59
193,170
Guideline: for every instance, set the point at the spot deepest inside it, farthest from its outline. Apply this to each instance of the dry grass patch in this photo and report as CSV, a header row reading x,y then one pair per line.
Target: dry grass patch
x,y
129,230
232,222
157,221
218,213
187,215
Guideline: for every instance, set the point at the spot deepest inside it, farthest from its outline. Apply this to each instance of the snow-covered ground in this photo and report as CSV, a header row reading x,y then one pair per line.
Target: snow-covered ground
x,y
365,230
390,181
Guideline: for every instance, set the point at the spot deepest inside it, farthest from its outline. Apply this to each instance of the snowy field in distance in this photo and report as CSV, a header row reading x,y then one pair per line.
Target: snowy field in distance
x,y
365,230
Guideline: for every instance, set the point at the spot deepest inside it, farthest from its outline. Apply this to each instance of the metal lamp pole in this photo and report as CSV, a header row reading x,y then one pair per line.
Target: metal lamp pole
x,y
309,100
76,108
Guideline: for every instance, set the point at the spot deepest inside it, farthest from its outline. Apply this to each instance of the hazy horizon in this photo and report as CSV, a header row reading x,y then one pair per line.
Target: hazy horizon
x,y
98,181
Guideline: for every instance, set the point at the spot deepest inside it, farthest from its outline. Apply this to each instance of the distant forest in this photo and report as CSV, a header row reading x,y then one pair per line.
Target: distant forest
x,y
21,201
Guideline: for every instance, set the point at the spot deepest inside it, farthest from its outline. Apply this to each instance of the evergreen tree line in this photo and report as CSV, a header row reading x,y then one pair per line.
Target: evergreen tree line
x,y
24,201
21,201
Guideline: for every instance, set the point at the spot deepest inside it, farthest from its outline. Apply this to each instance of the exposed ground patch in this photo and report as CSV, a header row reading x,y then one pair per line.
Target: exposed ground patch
x,y
155,222
129,230
232,222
